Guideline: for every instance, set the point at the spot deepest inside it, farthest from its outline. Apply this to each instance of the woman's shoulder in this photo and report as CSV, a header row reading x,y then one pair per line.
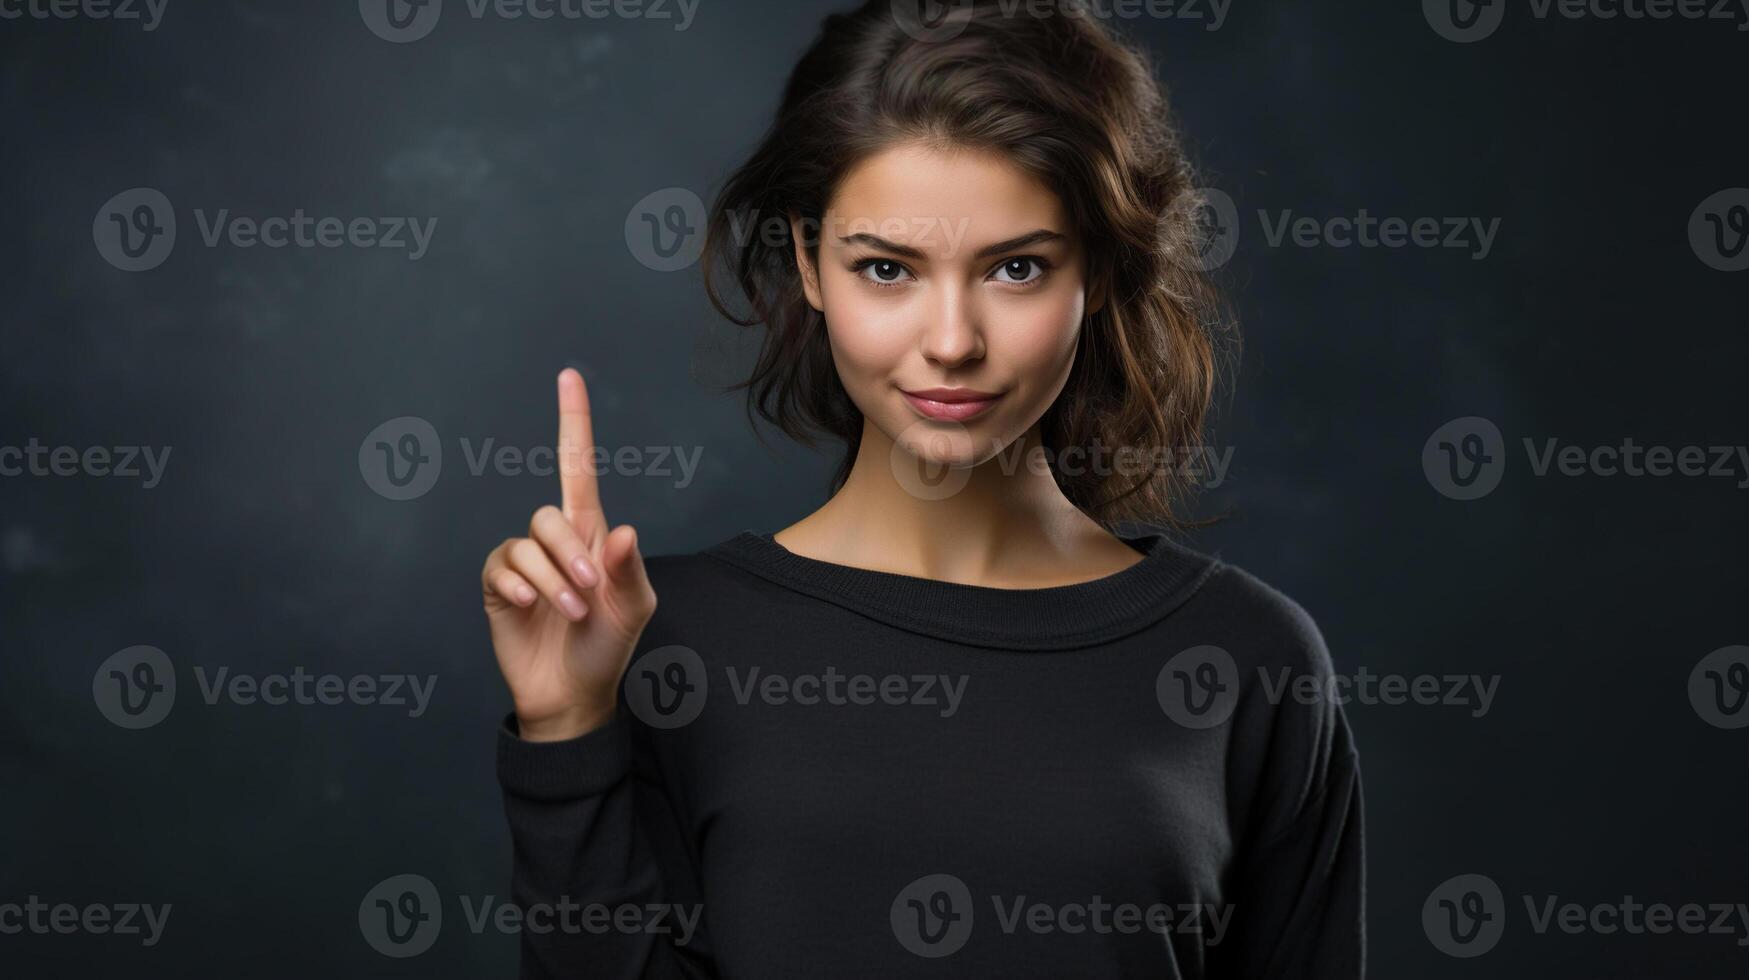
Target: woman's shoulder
x,y
715,589
712,574
1258,621
681,568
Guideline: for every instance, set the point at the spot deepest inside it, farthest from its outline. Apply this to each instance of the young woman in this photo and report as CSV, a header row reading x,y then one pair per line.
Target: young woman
x,y
953,723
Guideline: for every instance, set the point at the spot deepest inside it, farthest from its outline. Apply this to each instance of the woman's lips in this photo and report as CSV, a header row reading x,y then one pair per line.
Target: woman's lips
x,y
950,404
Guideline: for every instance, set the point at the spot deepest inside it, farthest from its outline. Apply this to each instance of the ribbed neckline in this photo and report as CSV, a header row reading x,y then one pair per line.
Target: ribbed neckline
x,y
1055,618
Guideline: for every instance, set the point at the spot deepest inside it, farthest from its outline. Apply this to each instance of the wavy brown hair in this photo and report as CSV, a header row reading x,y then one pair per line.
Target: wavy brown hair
x,y
1067,101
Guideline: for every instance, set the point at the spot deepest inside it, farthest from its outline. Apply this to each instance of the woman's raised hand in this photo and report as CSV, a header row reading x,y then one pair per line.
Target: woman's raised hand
x,y
567,603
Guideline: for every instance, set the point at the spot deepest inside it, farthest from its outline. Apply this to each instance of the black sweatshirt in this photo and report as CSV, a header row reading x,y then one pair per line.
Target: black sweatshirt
x,y
822,771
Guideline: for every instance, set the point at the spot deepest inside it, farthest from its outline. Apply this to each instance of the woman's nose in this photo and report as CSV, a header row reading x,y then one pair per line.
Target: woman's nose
x,y
956,333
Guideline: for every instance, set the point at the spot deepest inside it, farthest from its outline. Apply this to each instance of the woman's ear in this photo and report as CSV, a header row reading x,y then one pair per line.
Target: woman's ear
x,y
805,262
1096,298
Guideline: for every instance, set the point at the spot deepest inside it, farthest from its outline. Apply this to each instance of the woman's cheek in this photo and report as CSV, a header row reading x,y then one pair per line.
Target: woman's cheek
x,y
1041,342
868,338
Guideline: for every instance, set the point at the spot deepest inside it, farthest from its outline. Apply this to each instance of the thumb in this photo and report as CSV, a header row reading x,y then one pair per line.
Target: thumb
x,y
627,580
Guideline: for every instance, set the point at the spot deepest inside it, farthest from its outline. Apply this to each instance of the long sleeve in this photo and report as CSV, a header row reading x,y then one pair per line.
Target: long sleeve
x,y
1298,889
1300,904
600,872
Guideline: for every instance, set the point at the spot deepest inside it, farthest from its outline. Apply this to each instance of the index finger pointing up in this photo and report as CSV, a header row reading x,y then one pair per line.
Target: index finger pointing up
x,y
576,448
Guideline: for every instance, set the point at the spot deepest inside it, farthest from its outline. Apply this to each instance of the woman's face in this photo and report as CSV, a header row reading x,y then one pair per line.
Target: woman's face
x,y
953,291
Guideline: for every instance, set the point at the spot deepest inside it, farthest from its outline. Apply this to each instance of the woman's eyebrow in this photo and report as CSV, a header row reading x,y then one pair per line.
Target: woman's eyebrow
x,y
1008,245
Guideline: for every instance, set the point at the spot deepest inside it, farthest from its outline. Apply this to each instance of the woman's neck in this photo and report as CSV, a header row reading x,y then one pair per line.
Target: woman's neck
x,y
1004,523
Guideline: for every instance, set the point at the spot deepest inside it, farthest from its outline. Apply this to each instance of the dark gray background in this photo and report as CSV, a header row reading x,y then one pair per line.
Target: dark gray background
x,y
1592,598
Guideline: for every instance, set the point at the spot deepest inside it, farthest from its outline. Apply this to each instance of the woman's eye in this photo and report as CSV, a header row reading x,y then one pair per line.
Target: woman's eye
x,y
882,272
1021,271
1025,271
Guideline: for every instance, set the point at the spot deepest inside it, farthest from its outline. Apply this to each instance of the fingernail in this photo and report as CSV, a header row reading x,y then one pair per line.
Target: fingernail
x,y
572,605
585,574
524,595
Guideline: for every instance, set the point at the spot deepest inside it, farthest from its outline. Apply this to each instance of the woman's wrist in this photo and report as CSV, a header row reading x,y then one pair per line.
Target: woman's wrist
x,y
563,726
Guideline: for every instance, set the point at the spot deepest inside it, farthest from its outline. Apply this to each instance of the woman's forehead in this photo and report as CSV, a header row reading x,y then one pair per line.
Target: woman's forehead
x,y
912,190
